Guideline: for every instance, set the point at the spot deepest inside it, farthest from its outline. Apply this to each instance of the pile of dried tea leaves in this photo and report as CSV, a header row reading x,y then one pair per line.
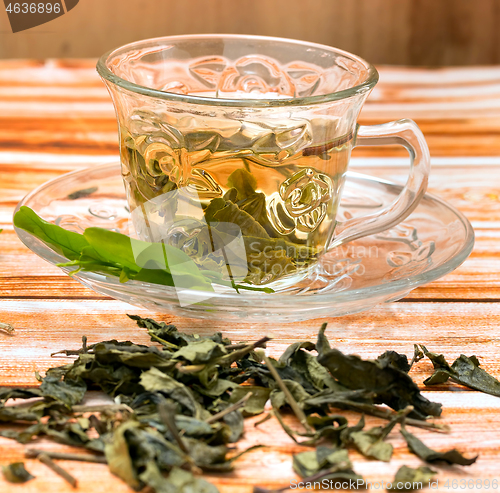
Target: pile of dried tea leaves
x,y
179,405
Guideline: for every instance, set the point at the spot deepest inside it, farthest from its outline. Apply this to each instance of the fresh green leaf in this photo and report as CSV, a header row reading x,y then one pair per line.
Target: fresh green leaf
x,y
66,242
120,256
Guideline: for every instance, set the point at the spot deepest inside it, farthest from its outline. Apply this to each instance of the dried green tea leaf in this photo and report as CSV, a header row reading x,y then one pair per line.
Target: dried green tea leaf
x,y
85,192
417,355
216,389
408,479
118,455
155,380
324,463
464,370
311,462
7,393
15,413
200,352
395,359
69,392
133,355
392,386
186,482
357,400
153,477
193,427
256,403
160,331
178,481
259,372
371,445
306,365
235,422
329,427
16,473
102,371
345,435
306,464
208,457
371,442
279,400
425,453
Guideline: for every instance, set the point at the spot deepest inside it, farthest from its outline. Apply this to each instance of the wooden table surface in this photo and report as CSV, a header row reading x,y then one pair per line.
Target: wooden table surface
x,y
56,116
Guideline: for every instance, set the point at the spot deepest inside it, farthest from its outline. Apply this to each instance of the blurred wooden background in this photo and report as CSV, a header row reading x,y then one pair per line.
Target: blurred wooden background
x,y
403,32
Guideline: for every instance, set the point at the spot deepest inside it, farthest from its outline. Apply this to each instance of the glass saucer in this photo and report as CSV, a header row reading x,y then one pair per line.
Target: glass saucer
x,y
434,240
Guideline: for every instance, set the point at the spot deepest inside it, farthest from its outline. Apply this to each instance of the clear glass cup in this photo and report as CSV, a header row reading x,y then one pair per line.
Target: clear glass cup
x,y
235,148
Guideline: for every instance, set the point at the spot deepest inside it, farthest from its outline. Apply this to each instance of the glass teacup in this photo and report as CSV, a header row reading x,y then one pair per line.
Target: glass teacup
x,y
234,149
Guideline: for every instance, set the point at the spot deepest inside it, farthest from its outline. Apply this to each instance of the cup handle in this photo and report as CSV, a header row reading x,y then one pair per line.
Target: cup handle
x,y
406,133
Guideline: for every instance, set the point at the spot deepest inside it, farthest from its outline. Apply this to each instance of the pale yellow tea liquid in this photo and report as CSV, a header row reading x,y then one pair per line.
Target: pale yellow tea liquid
x,y
275,189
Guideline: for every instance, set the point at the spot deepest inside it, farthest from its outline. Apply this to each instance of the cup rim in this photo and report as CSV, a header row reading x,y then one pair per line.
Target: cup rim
x,y
366,85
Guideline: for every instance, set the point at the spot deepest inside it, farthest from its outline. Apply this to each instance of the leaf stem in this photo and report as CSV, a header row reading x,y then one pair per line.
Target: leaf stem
x,y
260,343
166,415
288,395
360,407
99,408
33,453
397,418
45,459
7,327
162,341
229,409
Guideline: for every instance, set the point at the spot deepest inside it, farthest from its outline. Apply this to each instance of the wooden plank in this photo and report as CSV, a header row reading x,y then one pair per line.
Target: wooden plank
x,y
275,461
63,107
48,325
